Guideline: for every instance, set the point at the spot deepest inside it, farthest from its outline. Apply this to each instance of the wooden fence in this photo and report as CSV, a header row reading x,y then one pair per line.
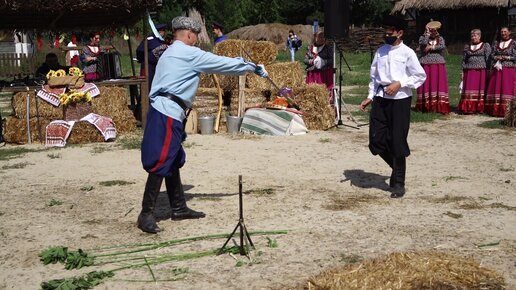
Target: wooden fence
x,y
16,65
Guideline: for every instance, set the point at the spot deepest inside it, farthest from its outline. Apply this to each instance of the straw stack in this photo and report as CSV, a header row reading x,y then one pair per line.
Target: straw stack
x,y
313,99
284,74
411,270
112,102
84,132
260,52
206,102
42,109
510,113
16,130
253,97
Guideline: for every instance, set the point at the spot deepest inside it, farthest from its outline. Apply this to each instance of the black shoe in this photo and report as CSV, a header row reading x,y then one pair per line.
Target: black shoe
x,y
397,191
187,213
147,223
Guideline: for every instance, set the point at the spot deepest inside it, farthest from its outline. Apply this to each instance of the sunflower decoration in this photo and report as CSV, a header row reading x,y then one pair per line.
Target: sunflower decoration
x,y
50,73
60,73
71,97
75,71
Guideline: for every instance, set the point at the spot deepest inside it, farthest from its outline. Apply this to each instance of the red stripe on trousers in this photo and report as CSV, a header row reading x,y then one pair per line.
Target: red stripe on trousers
x,y
166,145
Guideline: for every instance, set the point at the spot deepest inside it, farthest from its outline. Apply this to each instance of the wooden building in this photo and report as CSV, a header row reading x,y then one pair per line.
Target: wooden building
x,y
458,18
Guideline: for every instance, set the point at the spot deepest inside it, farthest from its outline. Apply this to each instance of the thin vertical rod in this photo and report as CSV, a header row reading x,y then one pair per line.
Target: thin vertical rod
x,y
241,210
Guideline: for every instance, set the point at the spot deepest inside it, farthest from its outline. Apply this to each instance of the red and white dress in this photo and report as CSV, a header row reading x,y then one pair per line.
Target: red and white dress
x,y
474,69
500,90
432,96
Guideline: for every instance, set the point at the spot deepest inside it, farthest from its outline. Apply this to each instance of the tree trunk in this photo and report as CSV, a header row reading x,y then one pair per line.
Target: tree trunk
x,y
204,39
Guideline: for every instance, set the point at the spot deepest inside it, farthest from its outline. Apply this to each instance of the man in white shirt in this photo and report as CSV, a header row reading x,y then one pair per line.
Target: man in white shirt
x,y
395,72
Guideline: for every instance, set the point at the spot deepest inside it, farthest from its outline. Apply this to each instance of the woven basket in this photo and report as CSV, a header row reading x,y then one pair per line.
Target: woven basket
x,y
76,111
66,81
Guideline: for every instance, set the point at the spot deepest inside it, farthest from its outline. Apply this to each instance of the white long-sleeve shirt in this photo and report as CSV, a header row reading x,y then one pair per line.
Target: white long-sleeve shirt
x,y
395,63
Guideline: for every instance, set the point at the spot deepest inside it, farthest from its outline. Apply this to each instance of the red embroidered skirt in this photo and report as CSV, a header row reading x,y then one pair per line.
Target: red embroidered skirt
x,y
473,91
432,95
500,91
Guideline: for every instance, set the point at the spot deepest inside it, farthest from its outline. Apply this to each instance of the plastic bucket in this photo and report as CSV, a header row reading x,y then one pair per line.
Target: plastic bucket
x,y
206,124
233,123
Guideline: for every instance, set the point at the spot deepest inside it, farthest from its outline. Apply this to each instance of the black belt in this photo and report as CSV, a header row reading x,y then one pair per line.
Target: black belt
x,y
175,99
178,101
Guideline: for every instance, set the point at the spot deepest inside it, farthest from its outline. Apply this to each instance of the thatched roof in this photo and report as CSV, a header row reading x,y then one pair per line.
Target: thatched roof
x,y
71,14
402,5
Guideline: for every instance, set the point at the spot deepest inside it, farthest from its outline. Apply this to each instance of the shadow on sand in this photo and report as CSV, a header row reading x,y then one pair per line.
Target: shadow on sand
x,y
362,179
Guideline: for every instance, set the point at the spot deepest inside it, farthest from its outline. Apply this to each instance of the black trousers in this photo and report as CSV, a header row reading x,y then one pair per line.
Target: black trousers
x,y
389,126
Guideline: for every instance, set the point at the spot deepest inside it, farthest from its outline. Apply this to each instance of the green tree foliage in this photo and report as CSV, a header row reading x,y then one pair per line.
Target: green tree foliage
x,y
369,12
238,13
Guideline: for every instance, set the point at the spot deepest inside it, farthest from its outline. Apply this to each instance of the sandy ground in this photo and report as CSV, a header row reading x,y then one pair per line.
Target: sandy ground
x,y
324,187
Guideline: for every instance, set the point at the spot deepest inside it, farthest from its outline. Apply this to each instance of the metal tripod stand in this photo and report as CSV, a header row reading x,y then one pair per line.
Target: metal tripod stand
x,y
244,234
337,94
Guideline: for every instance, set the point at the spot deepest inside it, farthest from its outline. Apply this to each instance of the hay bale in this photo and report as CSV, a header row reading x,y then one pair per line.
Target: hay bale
x,y
111,101
84,132
227,82
44,108
411,270
510,113
313,99
260,52
253,97
284,74
124,122
16,130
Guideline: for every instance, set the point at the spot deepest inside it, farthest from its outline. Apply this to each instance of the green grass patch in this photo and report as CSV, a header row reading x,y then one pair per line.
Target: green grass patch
x,y
324,140
261,191
493,124
15,152
54,202
54,155
351,259
97,149
189,144
131,142
506,169
16,165
418,117
453,215
115,182
86,187
451,177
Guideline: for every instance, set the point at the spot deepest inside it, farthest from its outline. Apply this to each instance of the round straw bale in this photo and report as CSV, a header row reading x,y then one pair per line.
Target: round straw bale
x,y
284,74
411,270
259,52
84,132
16,129
313,99
44,108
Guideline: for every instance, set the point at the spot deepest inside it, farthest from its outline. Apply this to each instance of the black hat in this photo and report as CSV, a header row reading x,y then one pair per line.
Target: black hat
x,y
218,25
161,26
395,21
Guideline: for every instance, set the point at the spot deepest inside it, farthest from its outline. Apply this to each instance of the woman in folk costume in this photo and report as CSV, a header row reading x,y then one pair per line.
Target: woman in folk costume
x,y
89,56
319,62
500,90
474,72
432,96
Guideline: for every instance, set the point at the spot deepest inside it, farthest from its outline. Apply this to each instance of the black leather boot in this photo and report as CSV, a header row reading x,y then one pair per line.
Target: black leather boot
x,y
399,168
146,220
176,196
387,157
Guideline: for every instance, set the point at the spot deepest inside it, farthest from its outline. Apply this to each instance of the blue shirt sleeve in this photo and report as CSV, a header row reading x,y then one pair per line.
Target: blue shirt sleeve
x,y
178,73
